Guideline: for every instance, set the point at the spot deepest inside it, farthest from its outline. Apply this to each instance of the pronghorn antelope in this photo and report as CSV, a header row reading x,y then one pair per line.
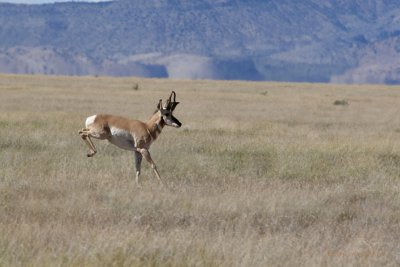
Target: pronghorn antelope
x,y
129,134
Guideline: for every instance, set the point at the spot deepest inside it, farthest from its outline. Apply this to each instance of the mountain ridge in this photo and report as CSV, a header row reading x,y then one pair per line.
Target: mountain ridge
x,y
312,40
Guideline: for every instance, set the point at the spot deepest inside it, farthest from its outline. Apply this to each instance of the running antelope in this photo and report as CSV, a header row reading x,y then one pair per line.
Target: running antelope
x,y
129,134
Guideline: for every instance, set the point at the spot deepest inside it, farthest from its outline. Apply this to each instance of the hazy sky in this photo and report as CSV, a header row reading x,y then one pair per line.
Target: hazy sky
x,y
45,1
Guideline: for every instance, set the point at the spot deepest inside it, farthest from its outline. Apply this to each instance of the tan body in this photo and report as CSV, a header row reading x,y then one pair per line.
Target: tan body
x,y
125,133
133,135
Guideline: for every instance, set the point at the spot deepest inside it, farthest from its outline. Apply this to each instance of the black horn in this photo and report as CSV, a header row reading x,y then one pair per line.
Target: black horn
x,y
173,93
171,103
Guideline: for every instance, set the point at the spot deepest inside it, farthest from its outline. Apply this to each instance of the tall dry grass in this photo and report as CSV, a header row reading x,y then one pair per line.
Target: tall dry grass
x,y
261,174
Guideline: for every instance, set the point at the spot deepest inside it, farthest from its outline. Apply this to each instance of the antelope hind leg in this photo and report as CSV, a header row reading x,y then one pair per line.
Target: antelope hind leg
x,y
85,135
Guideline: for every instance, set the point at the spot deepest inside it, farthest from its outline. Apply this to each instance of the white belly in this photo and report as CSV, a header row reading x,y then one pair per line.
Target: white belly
x,y
122,139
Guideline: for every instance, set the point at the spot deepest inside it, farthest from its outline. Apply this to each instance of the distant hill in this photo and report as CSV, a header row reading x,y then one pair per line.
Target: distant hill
x,y
351,41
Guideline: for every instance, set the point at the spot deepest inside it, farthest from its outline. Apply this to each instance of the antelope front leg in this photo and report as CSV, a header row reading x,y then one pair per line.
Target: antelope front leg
x,y
85,135
146,154
138,162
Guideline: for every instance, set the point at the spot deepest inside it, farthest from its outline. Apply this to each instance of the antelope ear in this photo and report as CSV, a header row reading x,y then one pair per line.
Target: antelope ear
x,y
173,106
159,106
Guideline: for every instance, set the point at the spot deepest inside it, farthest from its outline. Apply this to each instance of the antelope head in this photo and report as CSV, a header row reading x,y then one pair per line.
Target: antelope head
x,y
166,114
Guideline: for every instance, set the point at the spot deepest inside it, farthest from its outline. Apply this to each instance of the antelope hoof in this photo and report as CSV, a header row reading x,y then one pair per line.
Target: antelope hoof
x,y
90,154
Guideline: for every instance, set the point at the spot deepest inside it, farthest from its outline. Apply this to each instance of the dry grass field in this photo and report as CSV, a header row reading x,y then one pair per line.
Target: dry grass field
x,y
260,174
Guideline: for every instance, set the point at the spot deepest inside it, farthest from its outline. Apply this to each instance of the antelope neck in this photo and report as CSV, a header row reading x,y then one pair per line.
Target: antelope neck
x,y
155,126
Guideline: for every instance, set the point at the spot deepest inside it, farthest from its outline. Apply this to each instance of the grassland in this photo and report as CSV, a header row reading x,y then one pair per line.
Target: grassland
x,y
260,174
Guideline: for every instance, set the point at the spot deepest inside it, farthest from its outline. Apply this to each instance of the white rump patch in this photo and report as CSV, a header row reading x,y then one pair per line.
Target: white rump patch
x,y
122,138
90,120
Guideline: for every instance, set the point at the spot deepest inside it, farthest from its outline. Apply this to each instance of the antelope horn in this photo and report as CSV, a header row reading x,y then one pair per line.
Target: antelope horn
x,y
170,96
173,92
